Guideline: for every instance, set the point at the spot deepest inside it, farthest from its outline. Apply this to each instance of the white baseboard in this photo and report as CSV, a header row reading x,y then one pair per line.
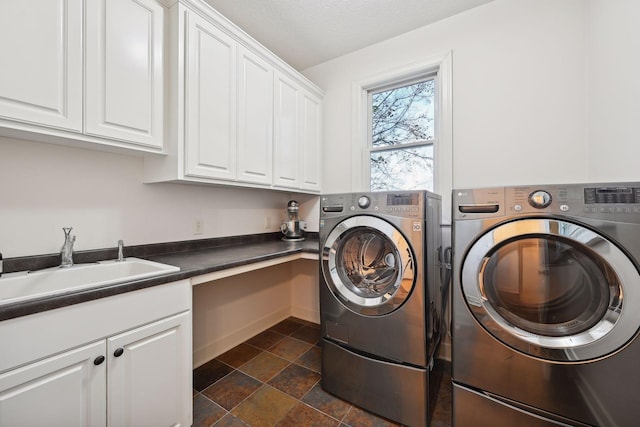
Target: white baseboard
x,y
444,352
306,314
238,336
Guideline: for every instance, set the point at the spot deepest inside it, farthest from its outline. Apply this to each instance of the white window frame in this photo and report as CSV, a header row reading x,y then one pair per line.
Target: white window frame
x,y
443,138
370,149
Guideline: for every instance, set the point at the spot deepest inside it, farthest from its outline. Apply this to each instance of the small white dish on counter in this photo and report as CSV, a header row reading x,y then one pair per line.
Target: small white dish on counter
x,y
26,285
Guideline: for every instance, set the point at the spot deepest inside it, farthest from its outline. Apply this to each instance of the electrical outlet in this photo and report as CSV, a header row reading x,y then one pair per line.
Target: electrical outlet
x,y
267,222
198,227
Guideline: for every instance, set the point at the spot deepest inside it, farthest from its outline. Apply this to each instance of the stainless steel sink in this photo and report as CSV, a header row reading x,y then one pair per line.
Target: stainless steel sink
x,y
27,285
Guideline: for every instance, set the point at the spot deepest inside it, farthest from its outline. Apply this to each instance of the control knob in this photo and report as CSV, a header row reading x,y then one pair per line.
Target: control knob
x,y
540,199
364,202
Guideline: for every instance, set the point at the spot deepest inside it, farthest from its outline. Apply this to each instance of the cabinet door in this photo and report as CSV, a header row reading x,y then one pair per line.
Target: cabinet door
x,y
150,375
66,390
286,133
310,136
255,108
41,62
210,100
124,70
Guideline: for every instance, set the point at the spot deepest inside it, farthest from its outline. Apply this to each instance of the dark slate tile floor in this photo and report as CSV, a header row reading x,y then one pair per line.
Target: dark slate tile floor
x,y
273,379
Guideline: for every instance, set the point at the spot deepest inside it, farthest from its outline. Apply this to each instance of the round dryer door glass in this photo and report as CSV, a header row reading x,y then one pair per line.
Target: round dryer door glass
x,y
368,265
552,289
557,289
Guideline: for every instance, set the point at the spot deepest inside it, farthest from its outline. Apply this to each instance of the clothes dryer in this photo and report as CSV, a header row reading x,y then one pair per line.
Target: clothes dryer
x,y
546,305
380,300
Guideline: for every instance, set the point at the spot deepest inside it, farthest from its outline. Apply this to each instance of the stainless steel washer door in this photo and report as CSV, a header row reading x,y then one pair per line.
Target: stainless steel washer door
x,y
552,289
368,265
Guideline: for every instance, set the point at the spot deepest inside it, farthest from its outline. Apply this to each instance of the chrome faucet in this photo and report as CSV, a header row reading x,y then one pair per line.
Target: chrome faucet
x,y
120,250
67,248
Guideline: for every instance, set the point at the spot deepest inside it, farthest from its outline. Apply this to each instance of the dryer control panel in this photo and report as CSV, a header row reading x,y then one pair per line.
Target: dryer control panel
x,y
611,201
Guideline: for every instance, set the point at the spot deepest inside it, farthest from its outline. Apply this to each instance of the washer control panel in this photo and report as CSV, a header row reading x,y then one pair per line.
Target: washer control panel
x,y
403,203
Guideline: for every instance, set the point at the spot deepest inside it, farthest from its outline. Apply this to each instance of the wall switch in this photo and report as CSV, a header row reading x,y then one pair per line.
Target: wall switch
x,y
198,227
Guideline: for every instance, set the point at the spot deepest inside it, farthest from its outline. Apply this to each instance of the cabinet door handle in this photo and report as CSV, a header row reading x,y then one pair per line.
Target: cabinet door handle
x,y
98,360
118,352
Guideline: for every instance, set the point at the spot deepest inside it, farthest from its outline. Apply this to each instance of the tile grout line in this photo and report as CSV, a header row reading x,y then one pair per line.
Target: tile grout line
x,y
311,346
320,410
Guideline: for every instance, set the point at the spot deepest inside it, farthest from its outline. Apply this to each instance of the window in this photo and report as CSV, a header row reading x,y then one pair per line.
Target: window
x,y
401,121
435,142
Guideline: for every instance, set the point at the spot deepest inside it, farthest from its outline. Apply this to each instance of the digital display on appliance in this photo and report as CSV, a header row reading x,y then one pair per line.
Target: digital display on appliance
x,y
411,199
611,195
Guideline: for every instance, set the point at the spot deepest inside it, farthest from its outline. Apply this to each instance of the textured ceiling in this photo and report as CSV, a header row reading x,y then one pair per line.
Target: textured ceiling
x,y
308,32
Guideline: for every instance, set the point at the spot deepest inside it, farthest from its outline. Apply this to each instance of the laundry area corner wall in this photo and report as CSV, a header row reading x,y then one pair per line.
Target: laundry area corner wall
x,y
613,68
519,92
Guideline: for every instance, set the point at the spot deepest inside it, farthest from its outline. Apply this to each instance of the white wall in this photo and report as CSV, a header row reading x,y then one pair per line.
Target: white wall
x,y
519,113
614,90
101,195
305,294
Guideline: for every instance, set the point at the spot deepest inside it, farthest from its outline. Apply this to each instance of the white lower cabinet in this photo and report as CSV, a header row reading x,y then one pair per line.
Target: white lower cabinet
x,y
135,372
65,390
147,374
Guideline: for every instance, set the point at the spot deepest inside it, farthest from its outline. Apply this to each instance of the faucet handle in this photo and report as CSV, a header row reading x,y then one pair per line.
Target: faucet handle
x,y
120,250
67,248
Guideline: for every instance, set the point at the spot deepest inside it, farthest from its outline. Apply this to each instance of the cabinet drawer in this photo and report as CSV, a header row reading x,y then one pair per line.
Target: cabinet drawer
x,y
30,338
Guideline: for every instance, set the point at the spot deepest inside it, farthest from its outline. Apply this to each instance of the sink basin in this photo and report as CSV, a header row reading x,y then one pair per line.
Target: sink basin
x,y
27,285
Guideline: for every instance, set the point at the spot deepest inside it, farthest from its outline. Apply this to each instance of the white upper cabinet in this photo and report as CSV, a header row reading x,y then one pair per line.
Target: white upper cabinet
x,y
124,70
239,115
287,133
255,118
297,136
210,100
310,138
228,106
41,62
83,72
171,77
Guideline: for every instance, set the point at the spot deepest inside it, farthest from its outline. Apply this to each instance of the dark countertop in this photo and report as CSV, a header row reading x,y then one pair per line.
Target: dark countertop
x,y
194,258
209,260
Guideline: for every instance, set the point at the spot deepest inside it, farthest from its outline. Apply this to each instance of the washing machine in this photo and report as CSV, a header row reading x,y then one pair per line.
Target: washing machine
x,y
380,301
546,305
